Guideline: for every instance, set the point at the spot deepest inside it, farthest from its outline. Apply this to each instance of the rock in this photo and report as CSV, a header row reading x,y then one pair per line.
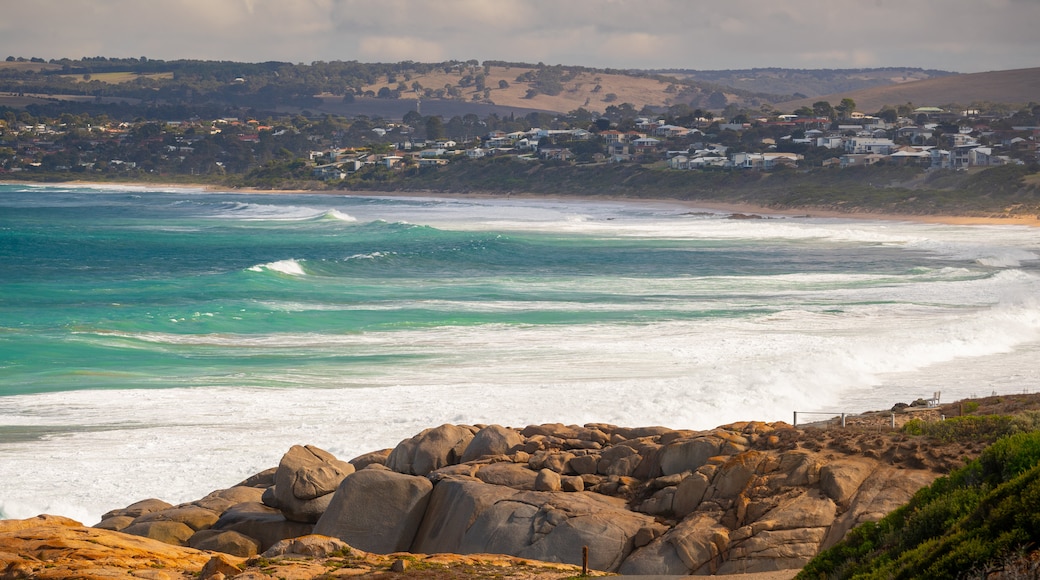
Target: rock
x,y
264,524
220,500
136,510
470,517
547,480
734,476
195,517
225,541
453,506
219,565
50,547
511,475
492,440
305,476
114,523
582,464
399,566
572,483
263,480
430,450
312,546
884,490
374,458
174,533
841,479
688,455
689,493
377,511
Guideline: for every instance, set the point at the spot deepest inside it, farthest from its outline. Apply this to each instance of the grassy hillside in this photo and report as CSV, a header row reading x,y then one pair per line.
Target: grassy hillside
x,y
981,519
1015,87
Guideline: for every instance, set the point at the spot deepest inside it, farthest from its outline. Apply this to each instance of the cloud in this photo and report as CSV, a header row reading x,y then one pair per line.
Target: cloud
x,y
967,36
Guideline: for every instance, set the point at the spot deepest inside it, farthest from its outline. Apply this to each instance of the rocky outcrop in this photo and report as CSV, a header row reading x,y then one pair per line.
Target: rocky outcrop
x,y
304,482
746,497
377,510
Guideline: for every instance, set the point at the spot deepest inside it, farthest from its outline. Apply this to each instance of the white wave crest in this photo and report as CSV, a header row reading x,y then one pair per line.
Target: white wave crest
x,y
289,267
338,215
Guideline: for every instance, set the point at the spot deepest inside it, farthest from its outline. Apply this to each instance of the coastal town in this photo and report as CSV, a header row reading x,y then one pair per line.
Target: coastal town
x,y
331,149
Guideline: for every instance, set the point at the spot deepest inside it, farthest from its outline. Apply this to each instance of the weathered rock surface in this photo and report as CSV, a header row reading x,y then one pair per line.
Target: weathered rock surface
x,y
431,449
304,482
51,547
377,510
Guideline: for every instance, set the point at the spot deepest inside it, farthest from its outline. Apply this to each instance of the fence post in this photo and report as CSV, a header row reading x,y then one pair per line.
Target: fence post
x,y
795,419
843,420
893,420
584,560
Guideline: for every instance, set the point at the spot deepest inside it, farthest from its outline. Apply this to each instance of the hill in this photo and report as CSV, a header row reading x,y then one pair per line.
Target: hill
x,y
1016,87
807,83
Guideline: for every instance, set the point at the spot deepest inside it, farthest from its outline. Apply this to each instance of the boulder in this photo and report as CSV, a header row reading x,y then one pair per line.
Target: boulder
x,y
225,541
454,505
195,517
377,510
173,533
841,479
264,524
472,517
311,546
114,523
263,480
220,500
688,455
511,475
138,509
305,476
492,440
373,458
430,450
547,480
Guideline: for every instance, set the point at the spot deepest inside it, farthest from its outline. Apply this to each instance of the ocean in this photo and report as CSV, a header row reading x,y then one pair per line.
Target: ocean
x,y
166,342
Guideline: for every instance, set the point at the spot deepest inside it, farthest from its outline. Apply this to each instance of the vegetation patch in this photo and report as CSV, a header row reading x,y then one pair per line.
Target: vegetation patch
x,y
970,522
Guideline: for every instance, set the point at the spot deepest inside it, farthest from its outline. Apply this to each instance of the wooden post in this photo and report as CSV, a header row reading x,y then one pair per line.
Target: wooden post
x,y
893,420
795,419
843,420
584,560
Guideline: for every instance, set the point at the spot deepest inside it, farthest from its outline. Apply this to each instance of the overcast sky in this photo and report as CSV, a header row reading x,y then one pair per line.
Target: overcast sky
x,y
955,35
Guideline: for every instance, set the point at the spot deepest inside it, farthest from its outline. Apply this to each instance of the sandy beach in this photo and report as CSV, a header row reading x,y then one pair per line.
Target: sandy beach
x,y
718,206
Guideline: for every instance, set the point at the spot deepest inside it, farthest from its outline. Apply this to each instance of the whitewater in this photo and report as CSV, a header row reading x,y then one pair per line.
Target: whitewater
x,y
166,342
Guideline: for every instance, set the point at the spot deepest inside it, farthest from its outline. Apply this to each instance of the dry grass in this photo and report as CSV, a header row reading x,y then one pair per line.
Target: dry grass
x,y
1010,86
118,78
579,92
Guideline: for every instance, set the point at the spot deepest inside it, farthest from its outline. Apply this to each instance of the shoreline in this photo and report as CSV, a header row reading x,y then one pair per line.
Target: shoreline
x,y
719,206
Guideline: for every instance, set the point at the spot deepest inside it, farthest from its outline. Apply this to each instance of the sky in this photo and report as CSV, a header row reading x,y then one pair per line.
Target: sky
x,y
953,35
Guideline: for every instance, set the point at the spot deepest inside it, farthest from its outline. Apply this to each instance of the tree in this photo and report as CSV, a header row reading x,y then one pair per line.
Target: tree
x,y
823,109
846,107
503,84
434,128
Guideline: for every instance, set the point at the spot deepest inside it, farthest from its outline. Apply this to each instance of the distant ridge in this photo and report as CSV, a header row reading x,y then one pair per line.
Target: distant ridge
x,y
1019,86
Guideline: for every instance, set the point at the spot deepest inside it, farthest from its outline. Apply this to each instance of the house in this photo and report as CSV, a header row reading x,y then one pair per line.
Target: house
x,y
476,153
646,145
869,146
556,154
432,162
861,159
390,161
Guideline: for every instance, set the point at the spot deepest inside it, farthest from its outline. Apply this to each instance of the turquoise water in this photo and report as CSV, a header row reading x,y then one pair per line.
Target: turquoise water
x,y
144,332
120,290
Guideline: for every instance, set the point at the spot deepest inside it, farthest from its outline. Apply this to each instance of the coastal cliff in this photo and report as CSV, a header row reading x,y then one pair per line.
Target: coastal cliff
x,y
741,498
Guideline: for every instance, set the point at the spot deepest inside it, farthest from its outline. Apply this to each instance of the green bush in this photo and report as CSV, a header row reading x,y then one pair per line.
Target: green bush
x,y
970,521
967,428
